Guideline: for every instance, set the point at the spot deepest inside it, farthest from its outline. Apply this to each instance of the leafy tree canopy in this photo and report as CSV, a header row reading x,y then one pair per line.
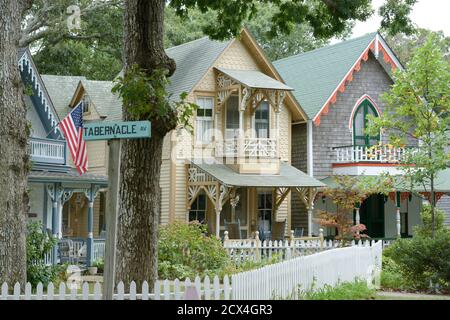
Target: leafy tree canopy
x,y
282,28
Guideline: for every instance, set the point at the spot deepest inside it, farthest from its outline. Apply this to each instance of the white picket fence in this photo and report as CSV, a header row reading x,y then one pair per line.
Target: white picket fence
x,y
284,279
330,267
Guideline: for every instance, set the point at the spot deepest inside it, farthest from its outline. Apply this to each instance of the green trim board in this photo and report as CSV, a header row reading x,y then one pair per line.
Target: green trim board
x,y
105,130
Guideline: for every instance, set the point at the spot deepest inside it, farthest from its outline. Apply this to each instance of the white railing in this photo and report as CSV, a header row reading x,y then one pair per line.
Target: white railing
x,y
376,153
99,249
251,148
242,250
47,150
278,280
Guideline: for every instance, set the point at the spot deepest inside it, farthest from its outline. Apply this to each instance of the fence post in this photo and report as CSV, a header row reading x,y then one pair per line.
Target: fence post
x,y
257,247
321,238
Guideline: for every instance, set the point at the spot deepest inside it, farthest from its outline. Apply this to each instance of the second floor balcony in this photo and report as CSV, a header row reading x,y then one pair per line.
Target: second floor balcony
x,y
262,148
48,151
373,154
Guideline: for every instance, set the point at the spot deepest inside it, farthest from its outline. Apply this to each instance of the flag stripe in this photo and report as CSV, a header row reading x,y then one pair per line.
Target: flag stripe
x,y
72,128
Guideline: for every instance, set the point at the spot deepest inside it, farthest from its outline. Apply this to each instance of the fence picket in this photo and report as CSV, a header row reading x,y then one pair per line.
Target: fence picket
x,y
157,290
39,291
216,287
85,291
144,291
97,291
166,289
176,289
50,291
120,291
133,290
17,291
207,286
62,291
28,291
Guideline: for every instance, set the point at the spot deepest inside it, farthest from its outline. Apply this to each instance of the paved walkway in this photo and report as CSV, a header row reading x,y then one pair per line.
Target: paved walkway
x,y
387,295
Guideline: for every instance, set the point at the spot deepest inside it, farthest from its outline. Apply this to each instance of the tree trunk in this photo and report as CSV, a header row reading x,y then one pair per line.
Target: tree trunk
x,y
13,148
140,195
433,207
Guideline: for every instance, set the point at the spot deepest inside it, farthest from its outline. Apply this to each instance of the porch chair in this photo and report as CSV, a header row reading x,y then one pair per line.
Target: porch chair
x,y
66,251
234,229
278,229
298,232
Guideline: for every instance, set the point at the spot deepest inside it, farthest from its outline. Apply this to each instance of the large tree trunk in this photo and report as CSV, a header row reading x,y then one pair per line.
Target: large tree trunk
x,y
13,148
140,195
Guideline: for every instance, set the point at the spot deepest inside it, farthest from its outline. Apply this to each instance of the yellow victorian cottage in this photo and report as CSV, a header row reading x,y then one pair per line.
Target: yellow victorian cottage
x,y
234,169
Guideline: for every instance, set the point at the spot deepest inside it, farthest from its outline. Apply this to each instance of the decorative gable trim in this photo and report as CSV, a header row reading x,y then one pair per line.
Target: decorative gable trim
x,y
29,72
377,45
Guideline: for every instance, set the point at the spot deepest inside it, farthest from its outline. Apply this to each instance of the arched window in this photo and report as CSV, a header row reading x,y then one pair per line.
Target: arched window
x,y
360,124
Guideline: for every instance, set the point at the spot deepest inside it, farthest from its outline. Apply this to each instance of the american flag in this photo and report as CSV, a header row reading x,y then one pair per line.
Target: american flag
x,y
72,127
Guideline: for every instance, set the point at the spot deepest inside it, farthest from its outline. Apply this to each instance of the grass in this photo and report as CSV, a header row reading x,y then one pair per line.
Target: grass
x,y
345,291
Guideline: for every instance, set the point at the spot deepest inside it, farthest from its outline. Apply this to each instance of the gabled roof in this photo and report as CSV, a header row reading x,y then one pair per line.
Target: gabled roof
x,y
61,90
107,104
193,60
317,75
254,79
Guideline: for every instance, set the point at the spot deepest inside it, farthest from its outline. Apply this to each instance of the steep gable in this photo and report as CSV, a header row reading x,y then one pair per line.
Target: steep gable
x,y
319,75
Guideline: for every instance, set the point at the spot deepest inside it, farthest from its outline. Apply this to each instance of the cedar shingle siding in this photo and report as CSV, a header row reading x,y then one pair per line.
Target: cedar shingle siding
x,y
333,130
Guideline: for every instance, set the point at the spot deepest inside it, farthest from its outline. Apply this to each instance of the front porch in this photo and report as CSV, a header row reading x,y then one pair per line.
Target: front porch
x,y
244,204
59,198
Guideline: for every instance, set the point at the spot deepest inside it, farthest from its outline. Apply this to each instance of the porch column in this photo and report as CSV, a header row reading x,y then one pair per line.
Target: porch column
x,y
218,210
54,229
277,132
234,200
310,209
55,192
357,216
90,194
397,213
240,147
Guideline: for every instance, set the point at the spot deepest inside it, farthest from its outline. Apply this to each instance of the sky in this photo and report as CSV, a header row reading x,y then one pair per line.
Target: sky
x,y
428,14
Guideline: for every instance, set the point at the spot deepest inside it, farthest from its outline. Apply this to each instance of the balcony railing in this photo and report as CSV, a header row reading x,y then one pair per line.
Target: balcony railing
x,y
48,151
251,148
376,153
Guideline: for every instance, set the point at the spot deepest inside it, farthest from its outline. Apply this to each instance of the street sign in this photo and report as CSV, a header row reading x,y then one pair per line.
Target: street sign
x,y
105,130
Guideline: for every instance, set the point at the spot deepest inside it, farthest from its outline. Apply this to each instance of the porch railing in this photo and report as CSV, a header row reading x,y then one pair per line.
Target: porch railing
x,y
376,153
250,148
48,151
99,249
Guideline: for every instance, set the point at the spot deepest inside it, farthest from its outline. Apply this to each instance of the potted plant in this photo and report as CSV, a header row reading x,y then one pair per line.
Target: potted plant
x,y
97,266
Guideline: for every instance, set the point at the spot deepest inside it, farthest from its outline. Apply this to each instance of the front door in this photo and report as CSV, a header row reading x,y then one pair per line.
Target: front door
x,y
265,213
372,215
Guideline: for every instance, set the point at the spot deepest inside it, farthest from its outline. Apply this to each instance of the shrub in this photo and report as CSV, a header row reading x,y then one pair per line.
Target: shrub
x,y
39,244
391,275
423,260
184,250
426,228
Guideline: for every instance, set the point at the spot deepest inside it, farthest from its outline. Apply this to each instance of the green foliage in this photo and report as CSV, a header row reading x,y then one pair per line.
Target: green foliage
x,y
426,228
282,28
357,290
404,46
423,260
395,15
39,244
145,97
100,264
184,250
346,194
391,275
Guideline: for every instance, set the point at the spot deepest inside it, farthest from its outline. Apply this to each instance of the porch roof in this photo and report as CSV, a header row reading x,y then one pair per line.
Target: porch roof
x,y
71,177
255,79
442,183
289,177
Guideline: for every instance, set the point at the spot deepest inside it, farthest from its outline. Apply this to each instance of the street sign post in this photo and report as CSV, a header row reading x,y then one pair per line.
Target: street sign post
x,y
114,132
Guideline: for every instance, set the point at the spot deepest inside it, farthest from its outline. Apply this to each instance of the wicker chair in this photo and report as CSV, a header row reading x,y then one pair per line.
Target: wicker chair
x,y
278,229
234,229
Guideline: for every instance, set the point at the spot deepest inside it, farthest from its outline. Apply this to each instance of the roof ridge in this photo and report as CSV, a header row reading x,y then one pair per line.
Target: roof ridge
x,y
326,47
189,42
